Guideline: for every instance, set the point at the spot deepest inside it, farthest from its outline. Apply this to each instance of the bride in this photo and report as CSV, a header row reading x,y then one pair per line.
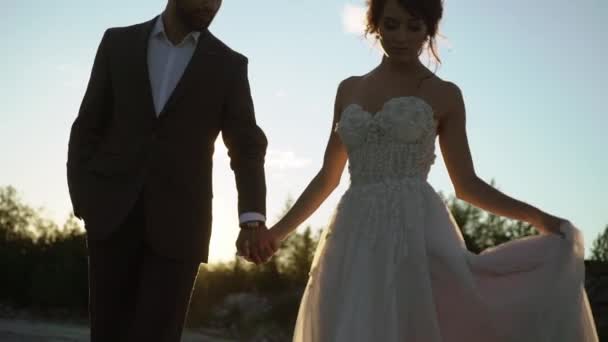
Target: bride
x,y
392,265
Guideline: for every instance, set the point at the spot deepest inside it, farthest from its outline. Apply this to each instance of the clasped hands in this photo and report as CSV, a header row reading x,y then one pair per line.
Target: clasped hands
x,y
259,244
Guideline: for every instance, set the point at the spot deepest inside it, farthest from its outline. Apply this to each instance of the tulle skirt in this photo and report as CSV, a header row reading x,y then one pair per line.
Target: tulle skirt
x,y
392,266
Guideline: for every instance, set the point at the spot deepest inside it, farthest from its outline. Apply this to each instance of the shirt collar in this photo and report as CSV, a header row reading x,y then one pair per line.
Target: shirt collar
x,y
159,31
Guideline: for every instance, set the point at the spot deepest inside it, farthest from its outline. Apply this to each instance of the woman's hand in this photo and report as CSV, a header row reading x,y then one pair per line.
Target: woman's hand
x,y
549,224
278,234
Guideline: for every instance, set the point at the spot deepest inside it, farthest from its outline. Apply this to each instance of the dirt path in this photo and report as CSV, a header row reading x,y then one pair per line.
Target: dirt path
x,y
29,331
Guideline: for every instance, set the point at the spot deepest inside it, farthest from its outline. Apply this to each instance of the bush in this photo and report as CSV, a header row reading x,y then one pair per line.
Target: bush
x,y
599,250
42,265
481,229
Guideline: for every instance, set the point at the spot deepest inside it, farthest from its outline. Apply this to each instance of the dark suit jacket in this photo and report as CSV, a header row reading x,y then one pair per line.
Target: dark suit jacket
x,y
119,149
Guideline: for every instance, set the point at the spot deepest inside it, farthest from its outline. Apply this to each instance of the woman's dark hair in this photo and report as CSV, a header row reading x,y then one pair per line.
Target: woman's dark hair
x,y
429,11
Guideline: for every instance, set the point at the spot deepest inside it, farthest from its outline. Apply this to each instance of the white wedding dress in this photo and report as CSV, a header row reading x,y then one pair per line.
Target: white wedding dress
x,y
393,266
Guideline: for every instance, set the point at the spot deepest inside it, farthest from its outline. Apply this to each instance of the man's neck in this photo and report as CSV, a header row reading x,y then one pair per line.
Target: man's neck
x,y
174,28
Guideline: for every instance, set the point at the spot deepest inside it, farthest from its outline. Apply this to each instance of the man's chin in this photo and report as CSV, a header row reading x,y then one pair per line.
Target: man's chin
x,y
198,25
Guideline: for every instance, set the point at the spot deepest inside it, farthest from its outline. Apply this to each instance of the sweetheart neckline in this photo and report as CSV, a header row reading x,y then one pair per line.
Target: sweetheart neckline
x,y
373,115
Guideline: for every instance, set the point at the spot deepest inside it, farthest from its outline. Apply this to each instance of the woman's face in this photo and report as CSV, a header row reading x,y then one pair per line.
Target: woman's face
x,y
401,34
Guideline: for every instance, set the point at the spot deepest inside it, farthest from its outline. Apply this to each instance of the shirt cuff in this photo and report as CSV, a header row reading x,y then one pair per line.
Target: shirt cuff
x,y
251,216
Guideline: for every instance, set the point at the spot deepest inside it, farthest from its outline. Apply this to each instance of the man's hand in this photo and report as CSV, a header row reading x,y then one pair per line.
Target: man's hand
x,y
256,245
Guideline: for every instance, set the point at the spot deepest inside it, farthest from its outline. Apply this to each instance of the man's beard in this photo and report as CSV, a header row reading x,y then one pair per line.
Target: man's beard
x,y
194,20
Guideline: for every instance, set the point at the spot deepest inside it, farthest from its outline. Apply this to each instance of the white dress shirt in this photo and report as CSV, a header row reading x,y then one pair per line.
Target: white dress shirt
x,y
166,65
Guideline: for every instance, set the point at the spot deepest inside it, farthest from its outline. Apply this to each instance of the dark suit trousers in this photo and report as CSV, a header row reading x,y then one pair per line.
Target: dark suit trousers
x,y
135,294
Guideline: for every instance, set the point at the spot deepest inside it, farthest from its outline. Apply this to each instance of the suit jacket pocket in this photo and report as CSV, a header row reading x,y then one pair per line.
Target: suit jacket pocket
x,y
77,189
109,165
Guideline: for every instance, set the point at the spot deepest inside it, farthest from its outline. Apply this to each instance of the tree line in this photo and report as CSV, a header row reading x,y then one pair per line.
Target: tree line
x,y
43,266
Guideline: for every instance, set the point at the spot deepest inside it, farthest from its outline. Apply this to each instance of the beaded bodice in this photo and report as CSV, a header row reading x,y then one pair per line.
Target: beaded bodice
x,y
395,143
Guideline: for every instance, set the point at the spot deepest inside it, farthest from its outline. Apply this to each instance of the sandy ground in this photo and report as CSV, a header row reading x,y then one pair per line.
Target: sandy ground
x,y
30,331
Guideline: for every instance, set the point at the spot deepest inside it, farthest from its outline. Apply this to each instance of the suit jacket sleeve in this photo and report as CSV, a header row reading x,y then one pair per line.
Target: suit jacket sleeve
x,y
91,122
246,144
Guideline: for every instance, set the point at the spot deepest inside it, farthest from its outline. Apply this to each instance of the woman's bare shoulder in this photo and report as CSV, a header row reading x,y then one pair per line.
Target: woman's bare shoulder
x,y
346,89
451,90
443,87
453,98
447,96
349,83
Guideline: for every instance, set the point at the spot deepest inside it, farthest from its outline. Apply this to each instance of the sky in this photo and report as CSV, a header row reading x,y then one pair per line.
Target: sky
x,y
533,75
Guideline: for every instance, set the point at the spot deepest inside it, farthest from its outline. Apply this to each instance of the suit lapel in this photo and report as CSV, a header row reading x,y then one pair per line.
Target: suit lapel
x,y
142,74
200,67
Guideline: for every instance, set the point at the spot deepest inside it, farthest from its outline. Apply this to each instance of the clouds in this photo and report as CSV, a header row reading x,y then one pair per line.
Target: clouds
x,y
71,76
353,19
277,160
280,93
283,160
354,22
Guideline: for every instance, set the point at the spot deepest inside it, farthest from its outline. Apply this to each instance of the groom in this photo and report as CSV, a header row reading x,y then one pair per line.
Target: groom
x,y
139,168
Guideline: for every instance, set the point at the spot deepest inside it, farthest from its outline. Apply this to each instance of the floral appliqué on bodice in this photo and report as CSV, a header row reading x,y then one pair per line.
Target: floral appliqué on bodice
x,y
395,143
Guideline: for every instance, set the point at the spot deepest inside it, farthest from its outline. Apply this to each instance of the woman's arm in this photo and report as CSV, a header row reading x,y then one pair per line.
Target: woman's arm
x,y
468,186
324,183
